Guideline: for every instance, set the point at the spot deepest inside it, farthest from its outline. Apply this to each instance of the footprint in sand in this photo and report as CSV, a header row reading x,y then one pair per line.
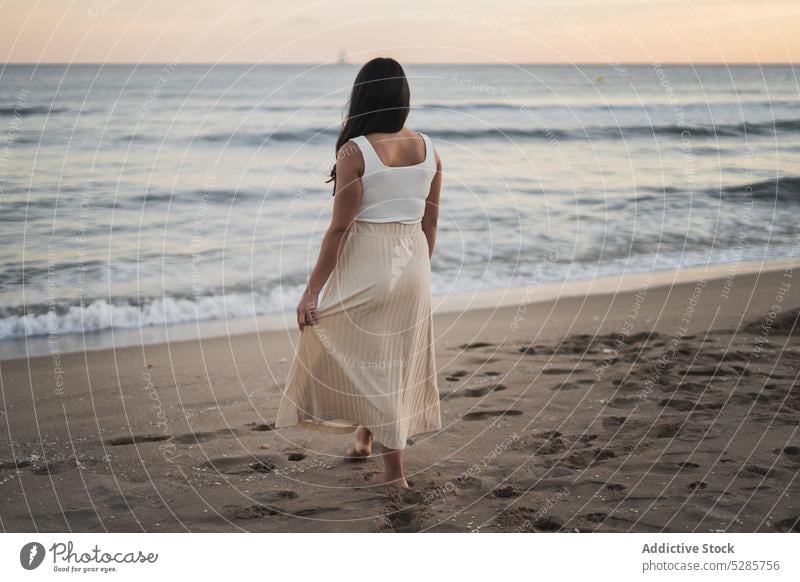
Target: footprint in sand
x,y
479,391
674,468
758,470
136,439
781,418
279,495
680,404
404,520
468,483
789,525
238,512
559,371
684,405
727,356
584,459
550,446
527,519
774,376
192,438
548,524
624,425
597,517
455,376
243,465
184,439
504,492
475,345
710,372
54,467
14,464
741,370
622,402
486,414
570,385
668,430
261,427
612,422
312,511
535,350
791,453
479,361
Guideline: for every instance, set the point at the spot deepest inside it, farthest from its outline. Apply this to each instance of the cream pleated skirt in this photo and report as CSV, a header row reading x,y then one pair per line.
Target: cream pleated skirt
x,y
369,361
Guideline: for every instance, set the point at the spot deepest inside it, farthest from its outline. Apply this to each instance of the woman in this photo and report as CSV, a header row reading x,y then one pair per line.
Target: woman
x,y
365,359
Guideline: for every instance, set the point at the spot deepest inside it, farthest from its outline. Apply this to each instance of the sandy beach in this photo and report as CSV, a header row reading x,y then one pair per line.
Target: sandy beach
x,y
657,402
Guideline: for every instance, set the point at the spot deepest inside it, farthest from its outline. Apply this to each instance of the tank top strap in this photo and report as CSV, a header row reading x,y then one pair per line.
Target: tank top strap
x,y
429,155
371,159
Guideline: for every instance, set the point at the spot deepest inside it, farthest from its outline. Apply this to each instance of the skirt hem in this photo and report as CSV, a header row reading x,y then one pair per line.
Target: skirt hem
x,y
346,427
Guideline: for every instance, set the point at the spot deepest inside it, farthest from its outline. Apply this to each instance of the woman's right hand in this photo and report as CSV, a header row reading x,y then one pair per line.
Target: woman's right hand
x,y
307,313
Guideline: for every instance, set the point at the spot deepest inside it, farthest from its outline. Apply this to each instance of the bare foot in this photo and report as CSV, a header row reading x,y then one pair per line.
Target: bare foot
x,y
356,453
382,479
361,447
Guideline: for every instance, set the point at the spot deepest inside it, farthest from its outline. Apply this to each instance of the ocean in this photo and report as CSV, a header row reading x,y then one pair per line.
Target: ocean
x,y
142,197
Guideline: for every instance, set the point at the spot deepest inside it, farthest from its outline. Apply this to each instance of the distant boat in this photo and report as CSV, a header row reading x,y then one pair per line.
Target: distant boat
x,y
342,58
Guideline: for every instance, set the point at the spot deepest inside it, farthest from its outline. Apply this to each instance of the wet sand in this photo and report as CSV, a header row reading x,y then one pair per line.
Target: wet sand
x,y
652,403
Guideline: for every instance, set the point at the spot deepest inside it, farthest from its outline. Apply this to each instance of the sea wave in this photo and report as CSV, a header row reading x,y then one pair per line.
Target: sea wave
x,y
262,138
24,111
100,314
604,106
606,132
782,188
625,131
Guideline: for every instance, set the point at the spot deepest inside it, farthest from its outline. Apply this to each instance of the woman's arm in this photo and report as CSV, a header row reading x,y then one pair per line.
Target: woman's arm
x,y
349,168
431,216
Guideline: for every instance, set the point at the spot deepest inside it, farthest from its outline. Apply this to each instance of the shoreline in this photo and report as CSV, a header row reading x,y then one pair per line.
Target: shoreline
x,y
119,338
667,408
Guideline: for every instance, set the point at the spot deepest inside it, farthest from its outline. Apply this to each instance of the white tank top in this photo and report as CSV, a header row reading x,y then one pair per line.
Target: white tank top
x,y
394,194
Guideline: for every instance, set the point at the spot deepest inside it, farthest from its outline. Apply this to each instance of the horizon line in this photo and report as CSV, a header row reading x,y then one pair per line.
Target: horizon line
x,y
443,63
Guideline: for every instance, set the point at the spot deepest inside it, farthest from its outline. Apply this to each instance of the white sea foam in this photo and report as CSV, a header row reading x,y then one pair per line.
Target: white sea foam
x,y
101,315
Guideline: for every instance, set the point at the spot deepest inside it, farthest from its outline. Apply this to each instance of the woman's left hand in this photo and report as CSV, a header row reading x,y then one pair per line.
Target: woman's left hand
x,y
307,313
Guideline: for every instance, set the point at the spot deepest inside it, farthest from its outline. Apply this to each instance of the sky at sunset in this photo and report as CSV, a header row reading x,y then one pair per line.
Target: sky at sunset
x,y
519,31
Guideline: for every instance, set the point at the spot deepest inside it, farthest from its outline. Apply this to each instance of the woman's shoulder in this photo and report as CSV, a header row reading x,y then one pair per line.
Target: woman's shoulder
x,y
350,157
350,148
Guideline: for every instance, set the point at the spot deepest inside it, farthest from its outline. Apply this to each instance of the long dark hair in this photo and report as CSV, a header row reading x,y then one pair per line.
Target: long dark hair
x,y
379,102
